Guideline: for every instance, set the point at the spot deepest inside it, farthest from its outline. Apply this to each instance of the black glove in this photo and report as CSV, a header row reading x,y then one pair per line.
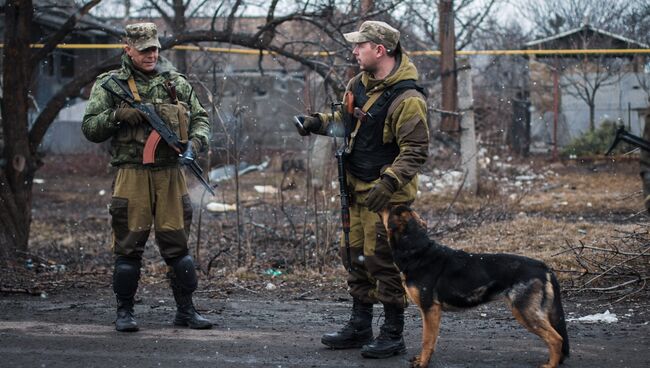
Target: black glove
x,y
307,124
189,155
379,195
129,115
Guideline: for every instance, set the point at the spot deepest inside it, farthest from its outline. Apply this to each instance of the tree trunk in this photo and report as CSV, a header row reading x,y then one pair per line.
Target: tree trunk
x,y
592,116
17,171
179,26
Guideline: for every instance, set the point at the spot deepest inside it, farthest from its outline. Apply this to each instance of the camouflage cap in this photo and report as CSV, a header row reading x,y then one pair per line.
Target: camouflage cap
x,y
378,32
142,36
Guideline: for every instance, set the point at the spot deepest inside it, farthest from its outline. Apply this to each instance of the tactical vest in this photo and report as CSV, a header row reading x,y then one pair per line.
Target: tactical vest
x,y
369,154
128,143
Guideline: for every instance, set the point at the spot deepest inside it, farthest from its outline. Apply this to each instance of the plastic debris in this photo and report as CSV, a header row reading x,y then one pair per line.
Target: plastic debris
x,y
273,272
265,189
220,207
228,171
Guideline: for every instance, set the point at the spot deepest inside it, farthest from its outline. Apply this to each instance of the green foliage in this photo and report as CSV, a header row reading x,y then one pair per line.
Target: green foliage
x,y
596,142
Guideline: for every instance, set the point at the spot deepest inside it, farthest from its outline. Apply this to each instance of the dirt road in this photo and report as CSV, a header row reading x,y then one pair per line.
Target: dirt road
x,y
73,329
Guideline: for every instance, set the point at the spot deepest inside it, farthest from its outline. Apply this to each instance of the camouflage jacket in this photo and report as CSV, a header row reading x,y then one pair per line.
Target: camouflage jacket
x,y
406,123
127,142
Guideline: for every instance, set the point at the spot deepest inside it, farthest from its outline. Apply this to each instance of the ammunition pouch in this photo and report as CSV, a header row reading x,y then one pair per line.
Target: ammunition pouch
x,y
128,144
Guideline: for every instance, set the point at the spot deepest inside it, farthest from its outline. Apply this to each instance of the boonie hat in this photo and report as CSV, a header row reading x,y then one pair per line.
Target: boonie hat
x,y
142,36
378,32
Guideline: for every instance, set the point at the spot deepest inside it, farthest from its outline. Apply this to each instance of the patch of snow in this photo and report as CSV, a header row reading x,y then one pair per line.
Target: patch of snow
x,y
598,317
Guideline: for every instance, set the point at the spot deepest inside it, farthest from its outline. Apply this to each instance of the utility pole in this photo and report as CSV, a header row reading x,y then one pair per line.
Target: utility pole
x,y
468,149
449,103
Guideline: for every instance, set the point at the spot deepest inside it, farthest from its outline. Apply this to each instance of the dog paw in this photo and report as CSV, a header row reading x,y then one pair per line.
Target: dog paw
x,y
416,363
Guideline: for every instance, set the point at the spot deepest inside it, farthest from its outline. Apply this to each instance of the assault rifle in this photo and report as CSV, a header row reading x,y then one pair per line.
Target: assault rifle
x,y
343,182
622,135
343,187
160,130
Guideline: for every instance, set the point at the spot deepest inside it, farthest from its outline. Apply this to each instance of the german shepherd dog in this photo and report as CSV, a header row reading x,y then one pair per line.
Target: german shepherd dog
x,y
438,278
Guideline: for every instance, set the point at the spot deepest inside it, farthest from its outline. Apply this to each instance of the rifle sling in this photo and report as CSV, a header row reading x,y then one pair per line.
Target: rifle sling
x,y
134,90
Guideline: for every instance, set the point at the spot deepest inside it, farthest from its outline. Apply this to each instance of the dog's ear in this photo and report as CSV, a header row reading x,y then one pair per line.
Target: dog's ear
x,y
419,219
385,214
396,221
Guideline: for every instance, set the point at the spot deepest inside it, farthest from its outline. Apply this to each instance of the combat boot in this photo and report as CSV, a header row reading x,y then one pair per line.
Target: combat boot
x,y
125,321
186,314
356,332
390,341
126,275
183,281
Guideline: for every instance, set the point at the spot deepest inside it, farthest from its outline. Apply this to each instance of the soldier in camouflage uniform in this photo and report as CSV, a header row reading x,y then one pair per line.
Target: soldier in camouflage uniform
x,y
388,144
645,165
156,193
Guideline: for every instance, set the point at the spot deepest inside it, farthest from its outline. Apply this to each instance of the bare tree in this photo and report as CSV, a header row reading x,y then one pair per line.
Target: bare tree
x,y
585,78
501,87
638,28
470,15
20,155
551,17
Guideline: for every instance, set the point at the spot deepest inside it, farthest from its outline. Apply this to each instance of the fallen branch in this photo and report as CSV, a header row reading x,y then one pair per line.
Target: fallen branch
x,y
7,290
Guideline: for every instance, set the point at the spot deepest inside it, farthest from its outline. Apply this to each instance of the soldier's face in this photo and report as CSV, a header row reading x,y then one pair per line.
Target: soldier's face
x,y
367,55
144,60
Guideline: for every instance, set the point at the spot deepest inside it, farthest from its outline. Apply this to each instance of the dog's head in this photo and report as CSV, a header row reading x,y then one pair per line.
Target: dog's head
x,y
401,220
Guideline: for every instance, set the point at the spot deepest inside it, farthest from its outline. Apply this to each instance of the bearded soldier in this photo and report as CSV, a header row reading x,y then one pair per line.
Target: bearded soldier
x,y
384,116
154,193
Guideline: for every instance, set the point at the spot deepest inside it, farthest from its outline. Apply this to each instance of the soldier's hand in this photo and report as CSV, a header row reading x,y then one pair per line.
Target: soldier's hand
x,y
379,195
129,115
307,124
189,155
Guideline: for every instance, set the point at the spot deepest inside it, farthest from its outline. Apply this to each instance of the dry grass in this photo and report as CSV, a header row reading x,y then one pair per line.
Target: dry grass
x,y
539,238
566,204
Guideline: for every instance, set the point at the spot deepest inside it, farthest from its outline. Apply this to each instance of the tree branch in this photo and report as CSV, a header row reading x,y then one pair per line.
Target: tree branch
x,y
58,101
62,33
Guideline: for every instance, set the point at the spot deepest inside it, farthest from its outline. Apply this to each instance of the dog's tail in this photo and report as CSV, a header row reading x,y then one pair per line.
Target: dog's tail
x,y
557,316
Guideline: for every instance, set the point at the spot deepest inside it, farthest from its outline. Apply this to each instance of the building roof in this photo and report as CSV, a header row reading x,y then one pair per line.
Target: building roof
x,y
564,40
53,14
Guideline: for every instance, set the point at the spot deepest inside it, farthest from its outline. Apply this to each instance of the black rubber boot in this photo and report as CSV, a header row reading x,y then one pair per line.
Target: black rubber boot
x,y
125,321
356,332
126,275
390,341
186,314
183,281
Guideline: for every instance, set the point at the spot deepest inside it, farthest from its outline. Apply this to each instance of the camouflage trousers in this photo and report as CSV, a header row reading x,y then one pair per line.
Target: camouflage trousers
x,y
142,197
374,276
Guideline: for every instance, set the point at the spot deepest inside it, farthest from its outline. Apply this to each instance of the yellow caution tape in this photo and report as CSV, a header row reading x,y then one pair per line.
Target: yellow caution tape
x,y
226,50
